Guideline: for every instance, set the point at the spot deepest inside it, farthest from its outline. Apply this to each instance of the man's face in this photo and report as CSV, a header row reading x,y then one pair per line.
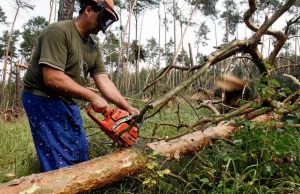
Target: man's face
x,y
91,21
94,26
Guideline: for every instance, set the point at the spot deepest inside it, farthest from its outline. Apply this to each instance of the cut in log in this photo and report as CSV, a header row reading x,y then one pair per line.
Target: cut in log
x,y
102,171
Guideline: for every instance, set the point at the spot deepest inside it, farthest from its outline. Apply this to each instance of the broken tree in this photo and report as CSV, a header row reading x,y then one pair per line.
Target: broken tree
x,y
101,171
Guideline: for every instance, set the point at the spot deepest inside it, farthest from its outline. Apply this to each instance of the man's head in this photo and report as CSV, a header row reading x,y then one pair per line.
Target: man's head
x,y
100,11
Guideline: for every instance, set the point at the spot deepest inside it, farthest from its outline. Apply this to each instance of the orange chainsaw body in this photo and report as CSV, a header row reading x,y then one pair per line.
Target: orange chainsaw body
x,y
114,123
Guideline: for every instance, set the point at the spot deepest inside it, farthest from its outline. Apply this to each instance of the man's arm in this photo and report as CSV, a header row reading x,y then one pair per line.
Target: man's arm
x,y
58,80
111,93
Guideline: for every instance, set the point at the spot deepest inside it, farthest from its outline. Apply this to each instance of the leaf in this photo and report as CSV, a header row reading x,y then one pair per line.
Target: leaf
x,y
282,94
275,82
288,90
163,172
147,181
204,180
269,66
264,79
261,111
243,102
264,95
268,168
167,171
151,165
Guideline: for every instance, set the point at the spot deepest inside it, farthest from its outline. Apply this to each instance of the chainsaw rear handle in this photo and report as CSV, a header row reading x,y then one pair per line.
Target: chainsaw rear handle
x,y
99,122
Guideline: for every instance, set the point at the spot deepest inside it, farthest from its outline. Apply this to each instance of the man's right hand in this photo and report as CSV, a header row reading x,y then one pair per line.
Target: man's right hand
x,y
99,104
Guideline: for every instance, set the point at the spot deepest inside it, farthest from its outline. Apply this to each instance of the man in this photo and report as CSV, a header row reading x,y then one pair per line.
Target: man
x,y
64,56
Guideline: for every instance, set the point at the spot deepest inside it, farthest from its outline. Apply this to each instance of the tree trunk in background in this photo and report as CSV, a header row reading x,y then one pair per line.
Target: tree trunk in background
x,y
159,41
227,29
175,45
10,85
55,4
127,73
174,20
166,29
216,37
2,96
51,10
120,55
18,87
289,63
138,83
66,9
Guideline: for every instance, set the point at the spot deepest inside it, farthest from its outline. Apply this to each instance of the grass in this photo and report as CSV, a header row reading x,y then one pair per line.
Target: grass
x,y
242,167
18,157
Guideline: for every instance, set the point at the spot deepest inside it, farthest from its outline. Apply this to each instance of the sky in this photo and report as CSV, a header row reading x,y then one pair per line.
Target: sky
x,y
149,29
150,24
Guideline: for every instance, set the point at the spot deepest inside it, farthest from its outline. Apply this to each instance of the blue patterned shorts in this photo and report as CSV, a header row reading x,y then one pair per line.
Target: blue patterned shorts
x,y
57,131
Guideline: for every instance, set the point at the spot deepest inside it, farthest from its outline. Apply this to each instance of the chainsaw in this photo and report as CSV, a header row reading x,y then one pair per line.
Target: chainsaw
x,y
116,125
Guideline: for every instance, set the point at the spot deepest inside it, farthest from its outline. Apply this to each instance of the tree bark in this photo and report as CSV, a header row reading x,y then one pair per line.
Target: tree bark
x,y
66,9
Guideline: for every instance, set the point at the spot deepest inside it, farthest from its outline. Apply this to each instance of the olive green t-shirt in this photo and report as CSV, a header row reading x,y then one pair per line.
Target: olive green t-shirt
x,y
61,46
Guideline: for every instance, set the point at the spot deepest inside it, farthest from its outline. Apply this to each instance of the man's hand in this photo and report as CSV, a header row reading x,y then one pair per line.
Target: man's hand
x,y
132,110
111,93
99,104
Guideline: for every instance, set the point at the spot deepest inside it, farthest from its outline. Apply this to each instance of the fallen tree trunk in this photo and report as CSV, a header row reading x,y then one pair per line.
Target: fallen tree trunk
x,y
101,171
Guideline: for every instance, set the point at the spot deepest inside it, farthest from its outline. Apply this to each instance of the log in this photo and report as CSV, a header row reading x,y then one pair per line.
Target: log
x,y
101,171
110,168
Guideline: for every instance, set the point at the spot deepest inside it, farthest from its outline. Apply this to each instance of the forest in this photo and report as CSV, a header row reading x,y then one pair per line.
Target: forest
x,y
223,121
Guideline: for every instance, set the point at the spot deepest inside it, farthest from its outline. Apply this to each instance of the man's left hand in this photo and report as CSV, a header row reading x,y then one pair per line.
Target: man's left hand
x,y
132,110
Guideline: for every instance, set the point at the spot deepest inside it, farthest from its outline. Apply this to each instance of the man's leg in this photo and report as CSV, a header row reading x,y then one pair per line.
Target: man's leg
x,y
57,131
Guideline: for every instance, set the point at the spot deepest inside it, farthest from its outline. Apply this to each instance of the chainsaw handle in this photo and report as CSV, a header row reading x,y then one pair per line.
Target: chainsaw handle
x,y
107,112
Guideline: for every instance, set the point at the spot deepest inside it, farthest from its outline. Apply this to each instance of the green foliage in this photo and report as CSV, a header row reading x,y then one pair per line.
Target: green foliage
x,y
208,7
184,55
110,48
152,51
2,16
31,32
151,175
201,34
13,46
260,159
138,52
168,52
231,16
